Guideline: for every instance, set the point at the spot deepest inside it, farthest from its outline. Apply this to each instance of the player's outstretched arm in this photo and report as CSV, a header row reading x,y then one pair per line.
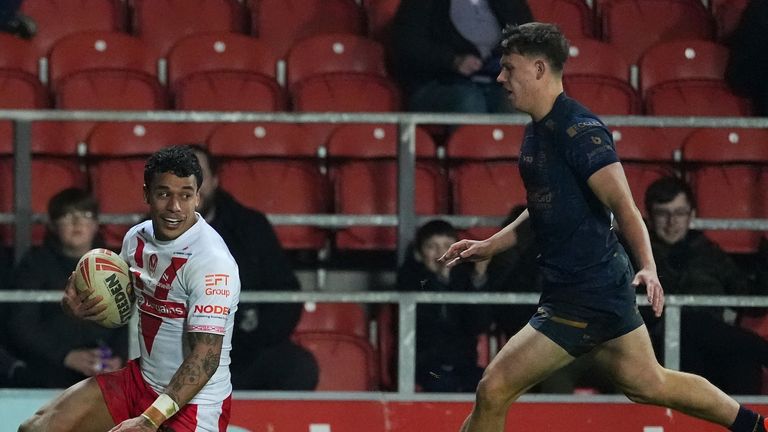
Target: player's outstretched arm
x,y
479,250
198,367
79,305
610,186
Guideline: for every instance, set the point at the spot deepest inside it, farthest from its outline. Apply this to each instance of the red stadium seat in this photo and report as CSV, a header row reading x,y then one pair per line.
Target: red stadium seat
x,y
380,14
686,78
343,93
695,98
344,318
116,156
646,156
58,18
346,363
363,172
20,90
280,23
632,26
727,169
110,90
727,16
17,54
490,152
572,16
682,60
598,76
222,72
386,345
487,188
330,53
162,23
273,167
99,51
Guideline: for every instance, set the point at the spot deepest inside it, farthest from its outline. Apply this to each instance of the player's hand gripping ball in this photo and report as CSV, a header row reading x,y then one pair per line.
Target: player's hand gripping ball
x,y
104,272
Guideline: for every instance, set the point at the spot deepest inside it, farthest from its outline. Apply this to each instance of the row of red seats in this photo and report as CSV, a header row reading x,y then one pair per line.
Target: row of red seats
x,y
631,25
336,73
277,168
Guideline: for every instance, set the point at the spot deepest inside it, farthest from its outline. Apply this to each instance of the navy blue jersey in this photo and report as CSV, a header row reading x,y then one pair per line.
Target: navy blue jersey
x,y
572,226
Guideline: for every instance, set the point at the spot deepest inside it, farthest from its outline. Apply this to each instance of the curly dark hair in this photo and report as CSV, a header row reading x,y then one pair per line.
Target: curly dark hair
x,y
179,160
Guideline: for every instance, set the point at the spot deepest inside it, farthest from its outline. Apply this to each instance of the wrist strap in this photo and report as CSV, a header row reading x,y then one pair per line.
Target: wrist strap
x,y
163,408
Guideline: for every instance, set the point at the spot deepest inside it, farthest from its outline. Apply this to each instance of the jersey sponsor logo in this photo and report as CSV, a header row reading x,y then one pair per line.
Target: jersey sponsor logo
x,y
215,279
596,140
211,309
217,292
206,328
574,129
162,308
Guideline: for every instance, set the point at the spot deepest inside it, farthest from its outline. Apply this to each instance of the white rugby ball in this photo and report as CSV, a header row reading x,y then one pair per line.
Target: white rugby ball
x,y
108,276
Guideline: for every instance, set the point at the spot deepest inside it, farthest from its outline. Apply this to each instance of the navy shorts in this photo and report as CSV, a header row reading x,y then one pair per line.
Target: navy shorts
x,y
578,326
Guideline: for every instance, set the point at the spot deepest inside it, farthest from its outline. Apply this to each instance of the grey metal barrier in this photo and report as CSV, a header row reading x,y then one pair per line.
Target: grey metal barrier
x,y
407,302
405,220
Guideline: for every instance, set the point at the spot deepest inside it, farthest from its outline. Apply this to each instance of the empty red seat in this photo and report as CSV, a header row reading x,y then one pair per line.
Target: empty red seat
x,y
331,53
483,172
599,77
346,363
343,93
224,71
632,26
280,23
162,23
274,168
6,179
116,156
20,90
379,14
686,77
110,90
17,54
728,168
58,18
572,16
345,318
363,172
646,156
94,52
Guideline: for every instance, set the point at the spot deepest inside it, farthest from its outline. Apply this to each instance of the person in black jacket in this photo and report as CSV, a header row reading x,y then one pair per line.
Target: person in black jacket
x,y
263,355
446,52
60,349
446,334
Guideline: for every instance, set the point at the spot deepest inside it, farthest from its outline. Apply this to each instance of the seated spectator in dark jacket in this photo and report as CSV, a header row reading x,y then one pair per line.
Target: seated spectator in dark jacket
x,y
60,349
446,334
263,355
688,263
445,52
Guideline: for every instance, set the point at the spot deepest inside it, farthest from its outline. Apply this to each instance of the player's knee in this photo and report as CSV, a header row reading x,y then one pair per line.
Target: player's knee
x,y
494,391
649,390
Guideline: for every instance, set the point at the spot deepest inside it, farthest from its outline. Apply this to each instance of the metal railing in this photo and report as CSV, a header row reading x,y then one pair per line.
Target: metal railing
x,y
405,219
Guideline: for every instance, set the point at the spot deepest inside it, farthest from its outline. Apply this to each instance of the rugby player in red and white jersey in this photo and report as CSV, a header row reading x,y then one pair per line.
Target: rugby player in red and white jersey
x,y
187,289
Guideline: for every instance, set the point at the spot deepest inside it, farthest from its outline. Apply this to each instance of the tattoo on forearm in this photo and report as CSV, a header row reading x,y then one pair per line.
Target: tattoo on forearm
x,y
198,368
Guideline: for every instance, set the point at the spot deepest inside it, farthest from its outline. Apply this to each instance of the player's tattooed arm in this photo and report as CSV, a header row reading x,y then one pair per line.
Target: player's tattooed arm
x,y
198,367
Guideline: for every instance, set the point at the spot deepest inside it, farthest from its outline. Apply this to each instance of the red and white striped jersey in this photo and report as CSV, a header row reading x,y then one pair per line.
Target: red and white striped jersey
x,y
189,284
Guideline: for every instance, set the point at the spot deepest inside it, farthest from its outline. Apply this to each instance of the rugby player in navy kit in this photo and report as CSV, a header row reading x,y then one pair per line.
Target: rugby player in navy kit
x,y
575,187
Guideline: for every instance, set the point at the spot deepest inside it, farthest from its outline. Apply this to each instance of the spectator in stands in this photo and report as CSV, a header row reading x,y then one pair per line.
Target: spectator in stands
x,y
446,52
14,22
748,62
60,349
688,263
263,355
446,334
